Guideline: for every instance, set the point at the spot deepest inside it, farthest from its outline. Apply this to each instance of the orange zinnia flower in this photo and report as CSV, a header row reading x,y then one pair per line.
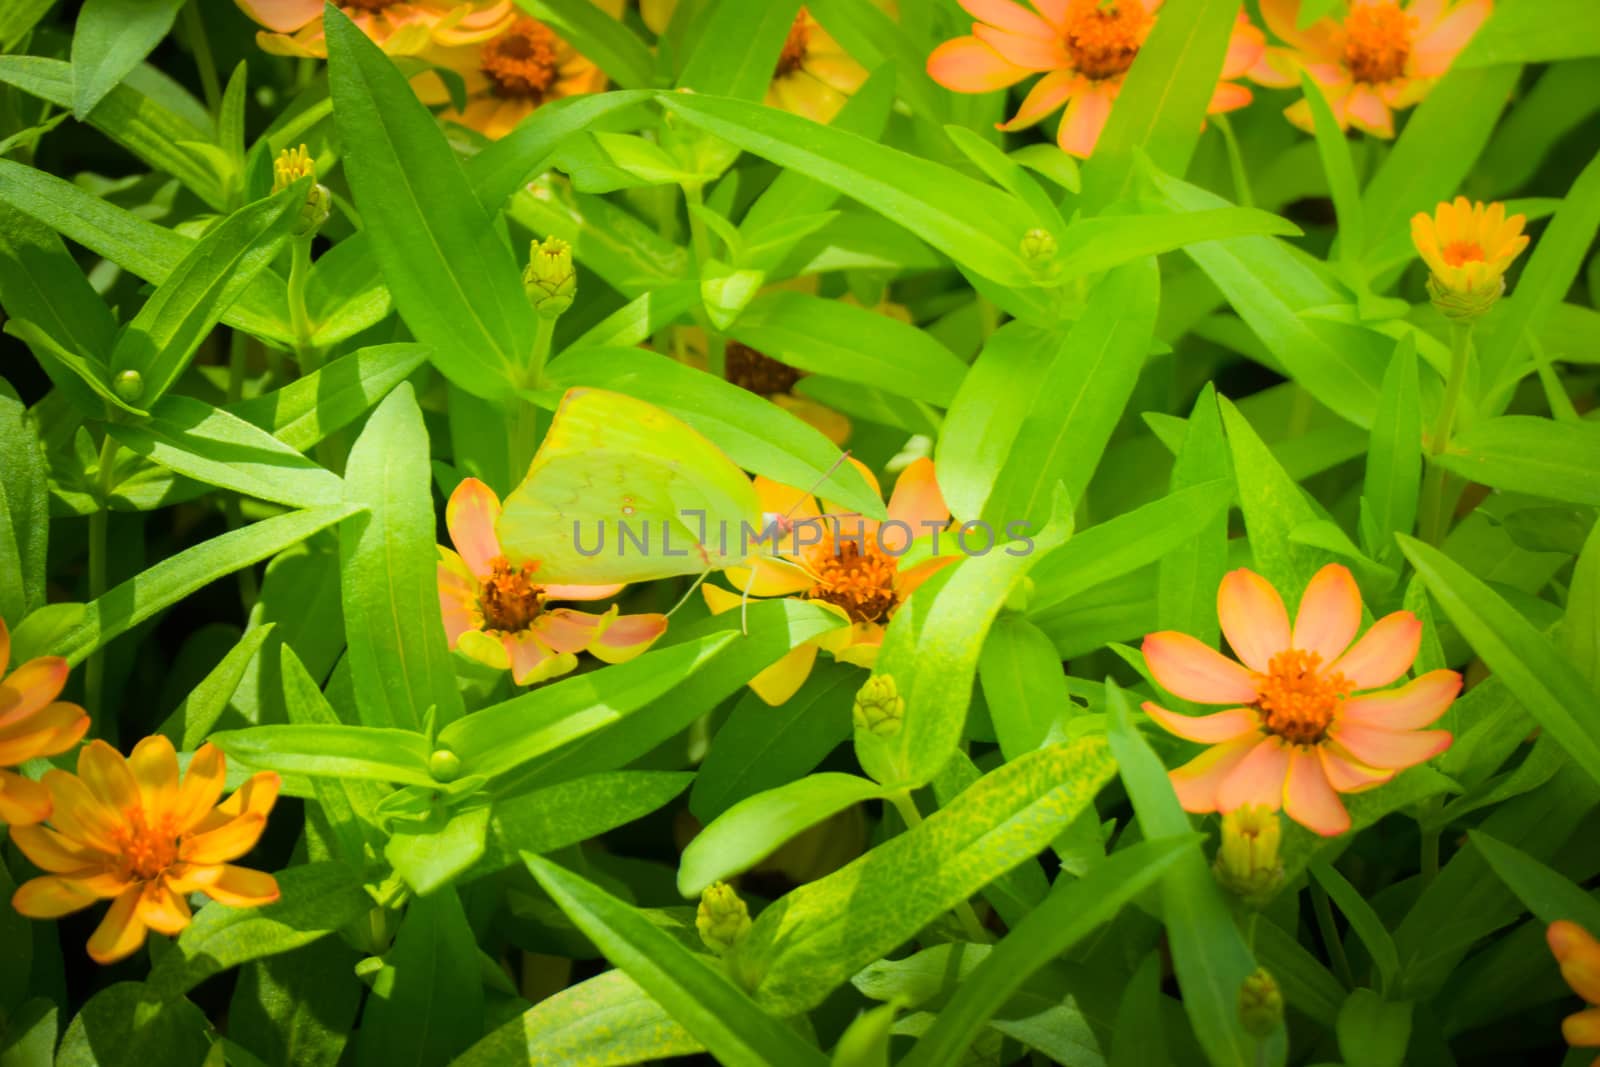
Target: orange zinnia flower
x,y
846,562
1468,246
495,613
1578,953
399,27
32,724
1383,55
127,830
1086,48
1297,737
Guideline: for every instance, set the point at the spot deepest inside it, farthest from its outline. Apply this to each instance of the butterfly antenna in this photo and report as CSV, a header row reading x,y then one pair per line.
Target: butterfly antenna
x,y
690,591
744,603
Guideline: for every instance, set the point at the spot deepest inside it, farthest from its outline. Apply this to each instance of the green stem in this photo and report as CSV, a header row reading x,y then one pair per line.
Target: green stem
x,y
94,670
1434,520
1330,935
543,334
1241,177
907,807
700,241
238,355
299,317
194,26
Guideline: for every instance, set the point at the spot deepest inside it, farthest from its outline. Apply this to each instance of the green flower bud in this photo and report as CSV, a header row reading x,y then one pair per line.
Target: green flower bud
x,y
444,765
1260,1004
879,708
1247,863
290,166
722,918
550,280
129,385
1465,304
1038,245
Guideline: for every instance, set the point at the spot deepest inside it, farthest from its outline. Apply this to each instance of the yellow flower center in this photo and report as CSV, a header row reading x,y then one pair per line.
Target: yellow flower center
x,y
1457,253
860,582
1103,40
758,372
1377,41
509,600
146,850
793,56
1297,698
522,61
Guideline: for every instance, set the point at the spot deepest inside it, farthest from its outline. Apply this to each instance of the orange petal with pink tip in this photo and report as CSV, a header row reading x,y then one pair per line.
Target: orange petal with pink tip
x,y
108,777
1389,749
1253,618
282,16
1193,670
628,636
458,602
1414,705
30,687
470,517
49,731
1025,50
779,682
1228,96
121,932
582,592
1246,47
49,898
1083,122
162,910
50,851
916,500
1323,39
1308,797
1346,773
1383,653
566,630
1007,16
1046,96
1330,613
229,841
201,788
1205,729
1367,111
241,887
1439,45
1198,781
533,661
967,65
23,802
1258,779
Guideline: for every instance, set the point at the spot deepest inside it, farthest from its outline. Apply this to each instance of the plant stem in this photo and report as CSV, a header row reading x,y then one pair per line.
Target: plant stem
x,y
238,353
1241,177
1433,520
542,336
907,807
1330,935
94,670
195,28
299,317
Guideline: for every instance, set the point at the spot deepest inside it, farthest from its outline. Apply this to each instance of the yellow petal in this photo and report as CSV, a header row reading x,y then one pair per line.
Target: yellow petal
x,y
50,898
121,932
240,887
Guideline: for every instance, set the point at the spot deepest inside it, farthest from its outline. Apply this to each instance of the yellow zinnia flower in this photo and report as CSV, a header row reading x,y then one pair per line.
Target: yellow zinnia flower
x,y
129,831
399,27
32,724
1468,246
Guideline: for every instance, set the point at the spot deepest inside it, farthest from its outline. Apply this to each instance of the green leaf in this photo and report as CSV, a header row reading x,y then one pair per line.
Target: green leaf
x,y
1394,459
558,816
312,407
429,1005
865,1042
18,20
1074,908
1520,33
1340,169
816,937
110,39
177,576
700,997
1095,245
1023,687
430,853
373,753
1373,1032
297,1009
1527,454
1546,893
314,900
1080,397
744,72
506,165
1364,920
1545,683
754,432
25,502
600,37
1186,594
1209,955
192,721
209,445
851,343
1274,507
452,277
758,826
875,39
125,1025
393,626
973,223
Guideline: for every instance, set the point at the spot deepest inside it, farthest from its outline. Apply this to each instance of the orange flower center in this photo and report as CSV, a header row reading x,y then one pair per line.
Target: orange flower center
x,y
1297,699
146,850
860,582
1458,252
509,600
758,372
1103,40
522,61
1377,41
793,56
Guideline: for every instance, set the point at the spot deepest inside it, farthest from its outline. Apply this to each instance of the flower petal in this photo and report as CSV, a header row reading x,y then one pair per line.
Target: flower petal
x,y
201,789
1198,781
1367,111
784,678
1330,613
50,898
106,773
162,910
1047,94
227,842
154,763
282,16
1383,653
627,636
30,687
1253,618
51,851
5,648
1025,50
1008,16
917,502
1193,670
121,932
1258,779
240,887
967,65
1389,749
51,730
1346,773
23,802
1582,1029
582,592
1414,705
78,815
566,630
470,517
1438,47
1206,729
533,661
1084,120
1578,953
1308,797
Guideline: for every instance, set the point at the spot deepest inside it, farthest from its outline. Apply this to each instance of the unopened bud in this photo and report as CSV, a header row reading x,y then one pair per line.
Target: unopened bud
x,y
879,708
1038,245
550,280
444,765
1260,1004
129,386
722,918
292,165
1465,305
1247,863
